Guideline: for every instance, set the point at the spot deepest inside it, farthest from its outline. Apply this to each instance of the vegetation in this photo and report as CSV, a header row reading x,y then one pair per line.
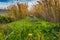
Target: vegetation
x,y
4,19
18,12
42,22
30,29
48,9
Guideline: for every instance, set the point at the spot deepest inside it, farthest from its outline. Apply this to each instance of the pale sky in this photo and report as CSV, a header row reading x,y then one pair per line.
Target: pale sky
x,y
4,4
31,5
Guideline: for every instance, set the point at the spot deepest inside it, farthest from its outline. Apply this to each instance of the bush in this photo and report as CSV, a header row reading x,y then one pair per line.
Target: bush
x,y
4,19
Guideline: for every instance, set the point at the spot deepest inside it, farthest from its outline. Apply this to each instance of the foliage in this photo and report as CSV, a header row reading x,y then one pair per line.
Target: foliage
x,y
26,29
48,9
4,19
18,11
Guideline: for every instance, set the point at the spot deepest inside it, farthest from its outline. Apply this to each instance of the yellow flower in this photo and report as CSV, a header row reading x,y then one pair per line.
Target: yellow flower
x,y
0,33
30,34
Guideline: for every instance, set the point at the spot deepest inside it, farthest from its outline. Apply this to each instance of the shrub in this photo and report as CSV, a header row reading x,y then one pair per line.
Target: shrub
x,y
4,19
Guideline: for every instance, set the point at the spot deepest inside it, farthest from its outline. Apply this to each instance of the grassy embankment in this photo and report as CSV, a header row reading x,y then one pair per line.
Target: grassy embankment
x,y
29,28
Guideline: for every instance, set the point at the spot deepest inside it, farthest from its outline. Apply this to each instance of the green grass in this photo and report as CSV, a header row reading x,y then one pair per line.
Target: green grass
x,y
29,28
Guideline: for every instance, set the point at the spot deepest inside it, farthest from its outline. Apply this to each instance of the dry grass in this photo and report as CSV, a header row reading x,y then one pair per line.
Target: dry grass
x,y
48,9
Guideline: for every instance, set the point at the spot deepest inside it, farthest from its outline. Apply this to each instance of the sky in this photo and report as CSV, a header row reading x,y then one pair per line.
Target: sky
x,y
5,0
6,3
14,0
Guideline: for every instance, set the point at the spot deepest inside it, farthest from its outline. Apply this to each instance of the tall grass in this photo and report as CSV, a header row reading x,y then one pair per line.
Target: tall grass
x,y
48,9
